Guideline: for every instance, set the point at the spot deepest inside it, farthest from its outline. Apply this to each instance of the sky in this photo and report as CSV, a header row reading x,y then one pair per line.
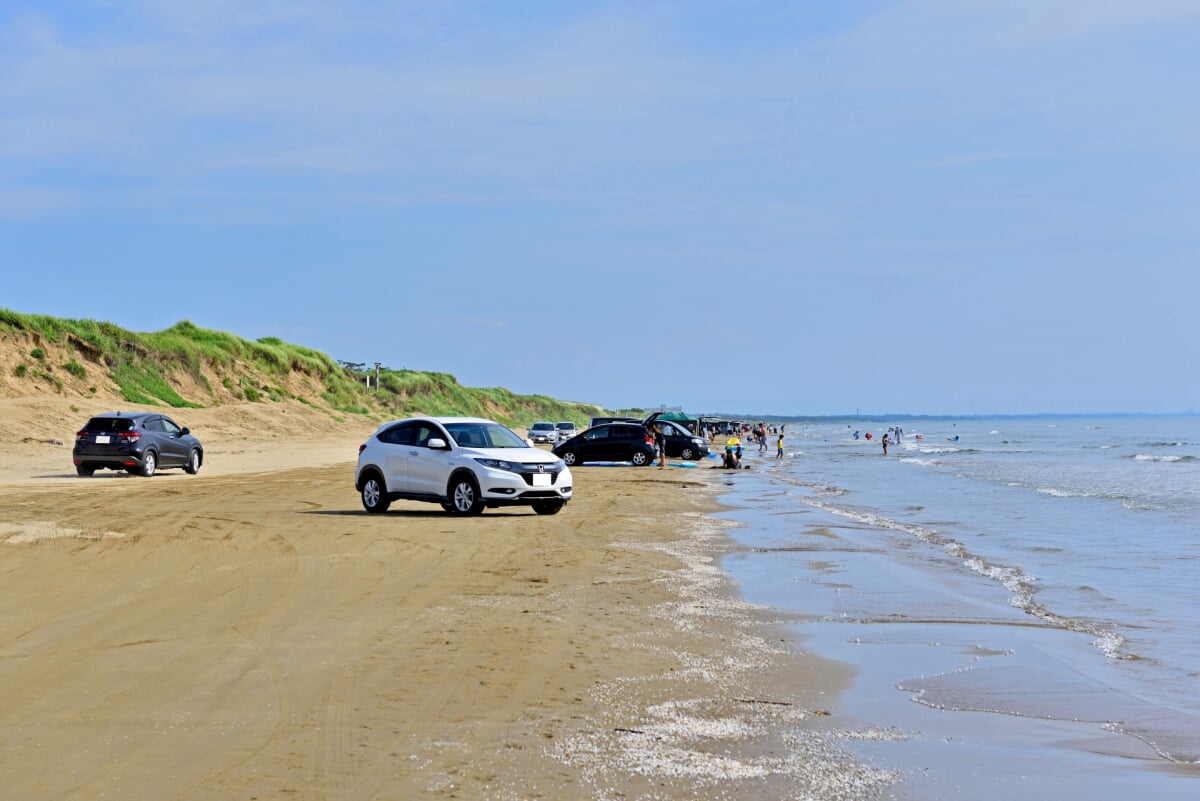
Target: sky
x,y
794,208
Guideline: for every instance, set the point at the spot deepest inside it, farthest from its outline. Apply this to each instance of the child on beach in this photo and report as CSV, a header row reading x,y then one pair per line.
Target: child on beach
x,y
779,453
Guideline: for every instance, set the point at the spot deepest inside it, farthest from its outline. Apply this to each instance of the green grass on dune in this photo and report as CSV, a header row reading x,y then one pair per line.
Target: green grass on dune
x,y
142,365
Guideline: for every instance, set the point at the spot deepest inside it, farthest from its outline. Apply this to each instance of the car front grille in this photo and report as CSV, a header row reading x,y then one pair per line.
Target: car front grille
x,y
527,470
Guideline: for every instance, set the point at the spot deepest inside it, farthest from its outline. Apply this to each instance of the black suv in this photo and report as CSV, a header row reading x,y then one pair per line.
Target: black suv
x,y
612,442
138,442
680,442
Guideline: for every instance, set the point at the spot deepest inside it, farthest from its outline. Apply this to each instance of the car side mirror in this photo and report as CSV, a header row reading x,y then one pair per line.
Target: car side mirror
x,y
437,444
529,442
185,431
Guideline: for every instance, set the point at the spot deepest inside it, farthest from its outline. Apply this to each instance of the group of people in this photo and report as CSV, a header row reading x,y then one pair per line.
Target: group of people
x,y
733,446
893,435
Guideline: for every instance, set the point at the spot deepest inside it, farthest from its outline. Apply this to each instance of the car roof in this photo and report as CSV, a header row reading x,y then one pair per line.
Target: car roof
x,y
442,420
127,415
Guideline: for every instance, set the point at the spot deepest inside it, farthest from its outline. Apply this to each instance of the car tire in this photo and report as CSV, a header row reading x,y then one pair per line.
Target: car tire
x,y
149,464
192,467
687,454
84,470
640,459
548,507
570,458
464,495
373,495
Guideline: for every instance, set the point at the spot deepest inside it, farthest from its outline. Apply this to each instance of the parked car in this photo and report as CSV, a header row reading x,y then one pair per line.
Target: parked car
x,y
566,430
611,442
137,442
543,432
462,463
682,443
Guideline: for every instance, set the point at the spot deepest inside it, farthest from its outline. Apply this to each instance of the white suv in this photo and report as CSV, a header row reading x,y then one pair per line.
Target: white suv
x,y
463,463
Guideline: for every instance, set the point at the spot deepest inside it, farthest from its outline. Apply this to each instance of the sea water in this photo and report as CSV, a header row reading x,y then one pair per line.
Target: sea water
x,y
992,572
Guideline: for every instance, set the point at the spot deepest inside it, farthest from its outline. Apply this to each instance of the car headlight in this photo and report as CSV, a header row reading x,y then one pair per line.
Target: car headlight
x,y
496,464
697,441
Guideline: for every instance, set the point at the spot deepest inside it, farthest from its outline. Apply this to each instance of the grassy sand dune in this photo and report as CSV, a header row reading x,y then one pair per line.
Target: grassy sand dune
x,y
186,366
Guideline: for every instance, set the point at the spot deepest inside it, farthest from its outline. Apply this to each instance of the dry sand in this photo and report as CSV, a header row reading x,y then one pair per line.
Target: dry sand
x,y
250,633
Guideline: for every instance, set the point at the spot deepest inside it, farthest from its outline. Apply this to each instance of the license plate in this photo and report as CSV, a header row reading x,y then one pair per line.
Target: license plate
x,y
541,479
103,439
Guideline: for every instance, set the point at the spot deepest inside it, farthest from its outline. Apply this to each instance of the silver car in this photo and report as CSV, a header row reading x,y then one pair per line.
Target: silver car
x,y
543,432
566,430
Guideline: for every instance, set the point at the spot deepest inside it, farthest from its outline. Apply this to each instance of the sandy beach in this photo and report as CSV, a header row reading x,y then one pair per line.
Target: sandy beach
x,y
251,633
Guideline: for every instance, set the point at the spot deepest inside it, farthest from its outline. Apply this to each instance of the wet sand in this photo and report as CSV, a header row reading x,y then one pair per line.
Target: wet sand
x,y
980,701
250,633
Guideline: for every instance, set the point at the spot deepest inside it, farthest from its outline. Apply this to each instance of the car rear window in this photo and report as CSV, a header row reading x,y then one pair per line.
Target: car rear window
x,y
110,424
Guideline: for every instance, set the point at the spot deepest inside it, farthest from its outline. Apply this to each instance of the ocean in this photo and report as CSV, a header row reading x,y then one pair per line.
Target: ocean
x,y
1017,598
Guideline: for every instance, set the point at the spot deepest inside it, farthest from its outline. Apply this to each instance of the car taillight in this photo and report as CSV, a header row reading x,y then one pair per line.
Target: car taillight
x,y
362,447
129,436
80,436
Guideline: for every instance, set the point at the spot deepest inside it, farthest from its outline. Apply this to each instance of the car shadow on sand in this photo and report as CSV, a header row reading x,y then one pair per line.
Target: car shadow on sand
x,y
365,513
415,513
96,477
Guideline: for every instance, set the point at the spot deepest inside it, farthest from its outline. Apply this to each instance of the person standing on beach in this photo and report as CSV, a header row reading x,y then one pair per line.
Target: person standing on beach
x,y
660,442
779,445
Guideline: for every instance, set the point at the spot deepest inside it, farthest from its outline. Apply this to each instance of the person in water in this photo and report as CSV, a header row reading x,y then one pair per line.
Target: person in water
x,y
733,453
885,443
779,445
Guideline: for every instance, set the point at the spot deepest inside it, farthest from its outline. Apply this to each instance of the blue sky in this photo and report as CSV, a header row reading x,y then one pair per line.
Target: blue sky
x,y
923,206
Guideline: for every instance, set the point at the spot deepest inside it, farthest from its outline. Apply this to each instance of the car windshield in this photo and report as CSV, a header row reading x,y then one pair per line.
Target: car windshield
x,y
566,425
541,427
484,435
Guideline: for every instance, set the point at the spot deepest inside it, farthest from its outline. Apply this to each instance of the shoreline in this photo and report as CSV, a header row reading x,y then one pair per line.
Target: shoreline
x,y
250,632
904,630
